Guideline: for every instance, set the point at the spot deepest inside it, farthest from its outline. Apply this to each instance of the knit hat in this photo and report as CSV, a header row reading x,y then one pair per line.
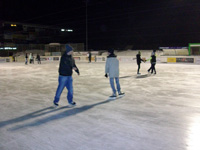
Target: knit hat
x,y
111,51
68,48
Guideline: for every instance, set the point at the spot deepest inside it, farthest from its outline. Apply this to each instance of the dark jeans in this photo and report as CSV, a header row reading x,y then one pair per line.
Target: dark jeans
x,y
152,68
138,71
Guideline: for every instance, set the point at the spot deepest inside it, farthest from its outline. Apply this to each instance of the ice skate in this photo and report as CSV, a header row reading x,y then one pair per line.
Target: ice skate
x,y
72,104
121,94
113,97
55,104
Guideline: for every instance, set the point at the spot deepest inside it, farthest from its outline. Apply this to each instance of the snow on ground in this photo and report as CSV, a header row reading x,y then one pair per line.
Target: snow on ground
x,y
158,112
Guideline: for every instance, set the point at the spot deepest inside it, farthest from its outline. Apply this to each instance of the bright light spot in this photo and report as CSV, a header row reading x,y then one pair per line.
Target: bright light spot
x,y
8,48
13,25
62,30
69,30
194,134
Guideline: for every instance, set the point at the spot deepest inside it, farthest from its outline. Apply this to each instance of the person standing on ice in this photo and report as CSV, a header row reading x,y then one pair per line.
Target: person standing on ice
x,y
153,62
67,65
26,59
30,58
38,59
112,70
89,57
138,56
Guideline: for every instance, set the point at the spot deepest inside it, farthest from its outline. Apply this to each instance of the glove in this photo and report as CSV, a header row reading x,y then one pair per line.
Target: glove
x,y
106,75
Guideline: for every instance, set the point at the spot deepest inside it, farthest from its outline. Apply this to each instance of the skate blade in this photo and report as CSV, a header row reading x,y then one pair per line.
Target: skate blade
x,y
111,98
121,96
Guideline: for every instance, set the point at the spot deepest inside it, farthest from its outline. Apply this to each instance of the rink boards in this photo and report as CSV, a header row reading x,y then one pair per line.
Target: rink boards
x,y
160,59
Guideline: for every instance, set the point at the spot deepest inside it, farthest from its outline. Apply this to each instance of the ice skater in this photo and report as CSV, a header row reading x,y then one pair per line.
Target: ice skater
x,y
30,58
26,59
139,60
153,62
38,59
89,57
112,70
67,65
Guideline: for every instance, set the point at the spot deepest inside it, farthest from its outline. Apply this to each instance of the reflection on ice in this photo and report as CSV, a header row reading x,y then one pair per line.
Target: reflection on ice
x,y
194,133
153,115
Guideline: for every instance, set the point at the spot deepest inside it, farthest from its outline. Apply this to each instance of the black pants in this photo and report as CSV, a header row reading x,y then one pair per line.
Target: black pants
x,y
138,71
152,68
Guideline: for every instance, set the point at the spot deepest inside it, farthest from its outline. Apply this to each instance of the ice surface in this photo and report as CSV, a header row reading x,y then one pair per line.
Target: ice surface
x,y
158,112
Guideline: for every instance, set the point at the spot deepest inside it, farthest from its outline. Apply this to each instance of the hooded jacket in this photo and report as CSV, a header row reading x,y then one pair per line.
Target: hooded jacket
x,y
112,66
67,64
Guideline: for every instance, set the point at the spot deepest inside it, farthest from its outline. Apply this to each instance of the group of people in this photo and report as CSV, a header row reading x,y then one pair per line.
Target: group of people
x,y
67,65
31,59
152,60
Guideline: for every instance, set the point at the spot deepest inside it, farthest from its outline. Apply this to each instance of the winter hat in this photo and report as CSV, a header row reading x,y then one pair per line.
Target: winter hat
x,y
68,48
111,51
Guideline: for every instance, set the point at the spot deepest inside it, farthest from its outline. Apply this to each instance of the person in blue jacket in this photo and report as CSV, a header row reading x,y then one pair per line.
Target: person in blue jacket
x,y
67,65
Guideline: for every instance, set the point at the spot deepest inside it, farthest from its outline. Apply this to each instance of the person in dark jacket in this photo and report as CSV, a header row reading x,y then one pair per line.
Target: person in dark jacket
x,y
153,62
38,59
67,65
139,60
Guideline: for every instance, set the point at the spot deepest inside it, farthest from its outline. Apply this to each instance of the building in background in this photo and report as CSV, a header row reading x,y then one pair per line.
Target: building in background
x,y
19,37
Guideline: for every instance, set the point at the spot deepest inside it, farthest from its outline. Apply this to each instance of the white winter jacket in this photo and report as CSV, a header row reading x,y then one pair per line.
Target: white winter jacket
x,y
112,67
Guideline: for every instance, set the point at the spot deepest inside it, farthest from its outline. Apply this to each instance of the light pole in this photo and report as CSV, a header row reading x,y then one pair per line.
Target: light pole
x,y
86,18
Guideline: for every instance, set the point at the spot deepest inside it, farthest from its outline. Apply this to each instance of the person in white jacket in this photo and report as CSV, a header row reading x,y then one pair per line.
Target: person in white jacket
x,y
112,70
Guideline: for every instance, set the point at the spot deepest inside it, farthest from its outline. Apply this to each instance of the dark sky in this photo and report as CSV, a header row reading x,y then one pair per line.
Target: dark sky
x,y
137,24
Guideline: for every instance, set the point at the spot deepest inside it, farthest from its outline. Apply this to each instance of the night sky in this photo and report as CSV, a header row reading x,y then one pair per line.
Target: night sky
x,y
135,24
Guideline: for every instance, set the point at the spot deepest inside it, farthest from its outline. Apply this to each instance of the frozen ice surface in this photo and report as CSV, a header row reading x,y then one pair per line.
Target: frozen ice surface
x,y
158,112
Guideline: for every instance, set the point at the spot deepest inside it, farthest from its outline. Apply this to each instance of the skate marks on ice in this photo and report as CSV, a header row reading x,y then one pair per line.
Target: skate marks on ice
x,y
43,116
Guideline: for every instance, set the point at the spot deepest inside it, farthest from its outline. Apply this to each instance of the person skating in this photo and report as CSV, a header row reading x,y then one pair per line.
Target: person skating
x,y
26,59
89,57
38,59
139,60
67,65
153,62
30,58
112,70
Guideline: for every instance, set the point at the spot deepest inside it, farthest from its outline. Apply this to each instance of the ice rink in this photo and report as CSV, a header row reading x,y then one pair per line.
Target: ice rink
x,y
158,112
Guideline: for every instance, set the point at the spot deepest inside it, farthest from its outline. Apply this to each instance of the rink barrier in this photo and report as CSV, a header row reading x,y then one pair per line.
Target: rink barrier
x,y
160,59
5,59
